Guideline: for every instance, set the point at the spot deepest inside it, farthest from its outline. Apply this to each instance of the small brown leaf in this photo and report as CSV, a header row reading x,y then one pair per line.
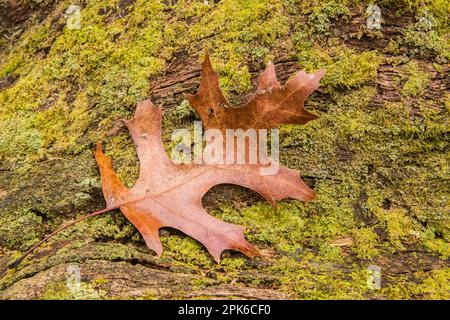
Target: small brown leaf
x,y
270,106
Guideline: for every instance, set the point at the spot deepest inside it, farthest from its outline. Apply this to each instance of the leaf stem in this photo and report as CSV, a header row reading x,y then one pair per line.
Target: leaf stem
x,y
29,251
16,262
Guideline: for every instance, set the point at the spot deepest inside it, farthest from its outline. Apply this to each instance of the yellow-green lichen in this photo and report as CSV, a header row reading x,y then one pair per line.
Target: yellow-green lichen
x,y
344,68
77,291
417,80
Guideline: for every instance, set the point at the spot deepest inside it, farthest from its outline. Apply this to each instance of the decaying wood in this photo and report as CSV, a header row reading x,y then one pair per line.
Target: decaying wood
x,y
122,279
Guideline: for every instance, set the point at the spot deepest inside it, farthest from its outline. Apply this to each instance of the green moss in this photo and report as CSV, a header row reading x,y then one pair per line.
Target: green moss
x,y
435,243
111,66
422,41
280,228
437,10
330,253
417,79
185,251
316,279
183,110
366,242
248,30
343,66
202,282
21,229
60,291
432,285
77,248
322,15
435,284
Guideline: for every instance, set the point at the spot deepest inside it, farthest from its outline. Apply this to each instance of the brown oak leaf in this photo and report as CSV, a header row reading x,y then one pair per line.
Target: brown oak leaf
x,y
169,195
271,105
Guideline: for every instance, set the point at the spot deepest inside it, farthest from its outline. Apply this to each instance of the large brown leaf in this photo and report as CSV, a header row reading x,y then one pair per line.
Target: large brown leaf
x,y
169,195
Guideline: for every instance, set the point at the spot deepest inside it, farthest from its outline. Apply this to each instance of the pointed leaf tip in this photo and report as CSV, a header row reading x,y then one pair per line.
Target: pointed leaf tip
x,y
207,59
99,146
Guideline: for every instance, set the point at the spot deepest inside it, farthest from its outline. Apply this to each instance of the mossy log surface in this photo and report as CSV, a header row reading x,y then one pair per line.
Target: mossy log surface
x,y
377,156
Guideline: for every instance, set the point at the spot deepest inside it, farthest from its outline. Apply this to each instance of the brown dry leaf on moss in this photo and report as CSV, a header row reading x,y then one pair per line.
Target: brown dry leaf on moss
x,y
169,195
271,105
